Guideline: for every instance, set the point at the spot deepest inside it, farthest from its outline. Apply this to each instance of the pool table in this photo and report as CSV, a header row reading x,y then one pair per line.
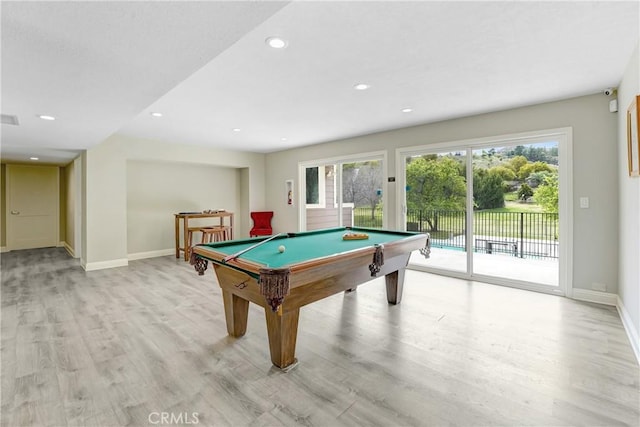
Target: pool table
x,y
313,265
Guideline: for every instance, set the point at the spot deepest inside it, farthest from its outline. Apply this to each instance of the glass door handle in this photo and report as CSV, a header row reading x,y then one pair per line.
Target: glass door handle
x,y
15,212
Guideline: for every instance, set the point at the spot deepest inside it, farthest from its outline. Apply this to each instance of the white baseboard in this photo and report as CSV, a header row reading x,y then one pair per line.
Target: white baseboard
x,y
595,296
101,265
629,327
151,254
4,249
124,262
70,250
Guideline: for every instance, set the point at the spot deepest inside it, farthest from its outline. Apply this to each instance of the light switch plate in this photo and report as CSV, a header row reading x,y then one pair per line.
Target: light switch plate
x,y
584,202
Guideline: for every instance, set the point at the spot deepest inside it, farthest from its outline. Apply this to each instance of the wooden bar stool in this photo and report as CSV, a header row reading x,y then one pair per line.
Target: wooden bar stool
x,y
215,234
190,232
199,229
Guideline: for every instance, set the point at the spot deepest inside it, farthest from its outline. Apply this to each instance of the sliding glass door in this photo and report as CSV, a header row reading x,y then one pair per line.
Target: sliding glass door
x,y
515,216
436,200
493,209
343,192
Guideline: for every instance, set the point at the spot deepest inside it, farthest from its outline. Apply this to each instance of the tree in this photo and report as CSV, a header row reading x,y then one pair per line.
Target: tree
x,y
362,184
536,178
507,174
488,192
519,151
433,185
517,162
530,168
525,192
536,154
368,186
349,174
547,194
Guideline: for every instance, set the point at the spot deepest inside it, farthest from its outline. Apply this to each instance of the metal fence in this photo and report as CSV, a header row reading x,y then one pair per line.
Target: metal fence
x,y
521,234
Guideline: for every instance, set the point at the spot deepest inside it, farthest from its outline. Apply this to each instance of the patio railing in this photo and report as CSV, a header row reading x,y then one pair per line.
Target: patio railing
x,y
521,234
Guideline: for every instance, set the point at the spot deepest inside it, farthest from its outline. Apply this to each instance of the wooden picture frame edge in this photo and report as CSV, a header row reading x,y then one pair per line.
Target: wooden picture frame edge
x,y
633,133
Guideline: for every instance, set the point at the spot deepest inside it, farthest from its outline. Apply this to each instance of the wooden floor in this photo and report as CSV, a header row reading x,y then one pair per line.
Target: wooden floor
x,y
127,346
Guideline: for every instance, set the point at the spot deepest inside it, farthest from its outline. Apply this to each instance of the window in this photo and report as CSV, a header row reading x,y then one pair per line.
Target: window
x,y
315,187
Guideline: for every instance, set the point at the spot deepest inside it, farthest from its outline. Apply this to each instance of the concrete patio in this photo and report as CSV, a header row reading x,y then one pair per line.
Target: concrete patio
x,y
544,271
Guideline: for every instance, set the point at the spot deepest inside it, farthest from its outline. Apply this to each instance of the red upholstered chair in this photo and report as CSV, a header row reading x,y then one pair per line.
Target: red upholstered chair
x,y
261,224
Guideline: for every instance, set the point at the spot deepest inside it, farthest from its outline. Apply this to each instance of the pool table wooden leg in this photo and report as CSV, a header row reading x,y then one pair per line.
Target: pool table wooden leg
x,y
282,328
395,282
236,312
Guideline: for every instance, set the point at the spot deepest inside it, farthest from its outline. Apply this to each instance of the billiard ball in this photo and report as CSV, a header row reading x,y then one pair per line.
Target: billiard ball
x,y
281,248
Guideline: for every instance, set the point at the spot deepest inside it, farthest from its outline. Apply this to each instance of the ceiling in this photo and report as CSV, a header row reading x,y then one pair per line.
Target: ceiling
x,y
102,67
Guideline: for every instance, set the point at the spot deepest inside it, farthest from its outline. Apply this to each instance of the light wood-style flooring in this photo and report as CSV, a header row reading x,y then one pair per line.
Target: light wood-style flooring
x,y
124,346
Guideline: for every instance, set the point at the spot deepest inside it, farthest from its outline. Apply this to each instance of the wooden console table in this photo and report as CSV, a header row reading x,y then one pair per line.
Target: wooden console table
x,y
186,216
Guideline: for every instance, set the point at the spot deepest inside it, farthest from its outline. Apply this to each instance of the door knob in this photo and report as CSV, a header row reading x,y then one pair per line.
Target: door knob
x,y
15,212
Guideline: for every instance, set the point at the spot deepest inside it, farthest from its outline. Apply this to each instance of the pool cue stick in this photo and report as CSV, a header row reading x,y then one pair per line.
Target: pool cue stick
x,y
237,254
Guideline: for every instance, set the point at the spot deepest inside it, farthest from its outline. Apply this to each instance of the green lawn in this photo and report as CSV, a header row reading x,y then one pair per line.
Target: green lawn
x,y
516,223
362,218
517,207
516,220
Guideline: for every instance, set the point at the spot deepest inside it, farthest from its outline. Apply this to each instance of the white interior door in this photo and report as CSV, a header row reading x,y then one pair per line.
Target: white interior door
x,y
32,206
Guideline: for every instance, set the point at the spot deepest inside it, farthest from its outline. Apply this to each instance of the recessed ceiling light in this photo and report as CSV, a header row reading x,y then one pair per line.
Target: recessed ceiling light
x,y
236,129
43,117
155,114
276,42
283,139
34,158
361,86
407,110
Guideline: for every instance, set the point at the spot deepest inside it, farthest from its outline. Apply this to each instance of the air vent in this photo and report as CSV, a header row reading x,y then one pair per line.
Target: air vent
x,y
10,120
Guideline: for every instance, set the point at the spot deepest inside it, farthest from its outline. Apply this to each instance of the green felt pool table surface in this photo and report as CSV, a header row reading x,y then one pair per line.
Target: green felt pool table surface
x,y
303,246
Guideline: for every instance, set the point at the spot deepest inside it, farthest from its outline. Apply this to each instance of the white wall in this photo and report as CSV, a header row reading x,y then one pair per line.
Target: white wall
x,y
157,190
629,219
105,189
3,216
79,198
105,209
594,167
70,212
